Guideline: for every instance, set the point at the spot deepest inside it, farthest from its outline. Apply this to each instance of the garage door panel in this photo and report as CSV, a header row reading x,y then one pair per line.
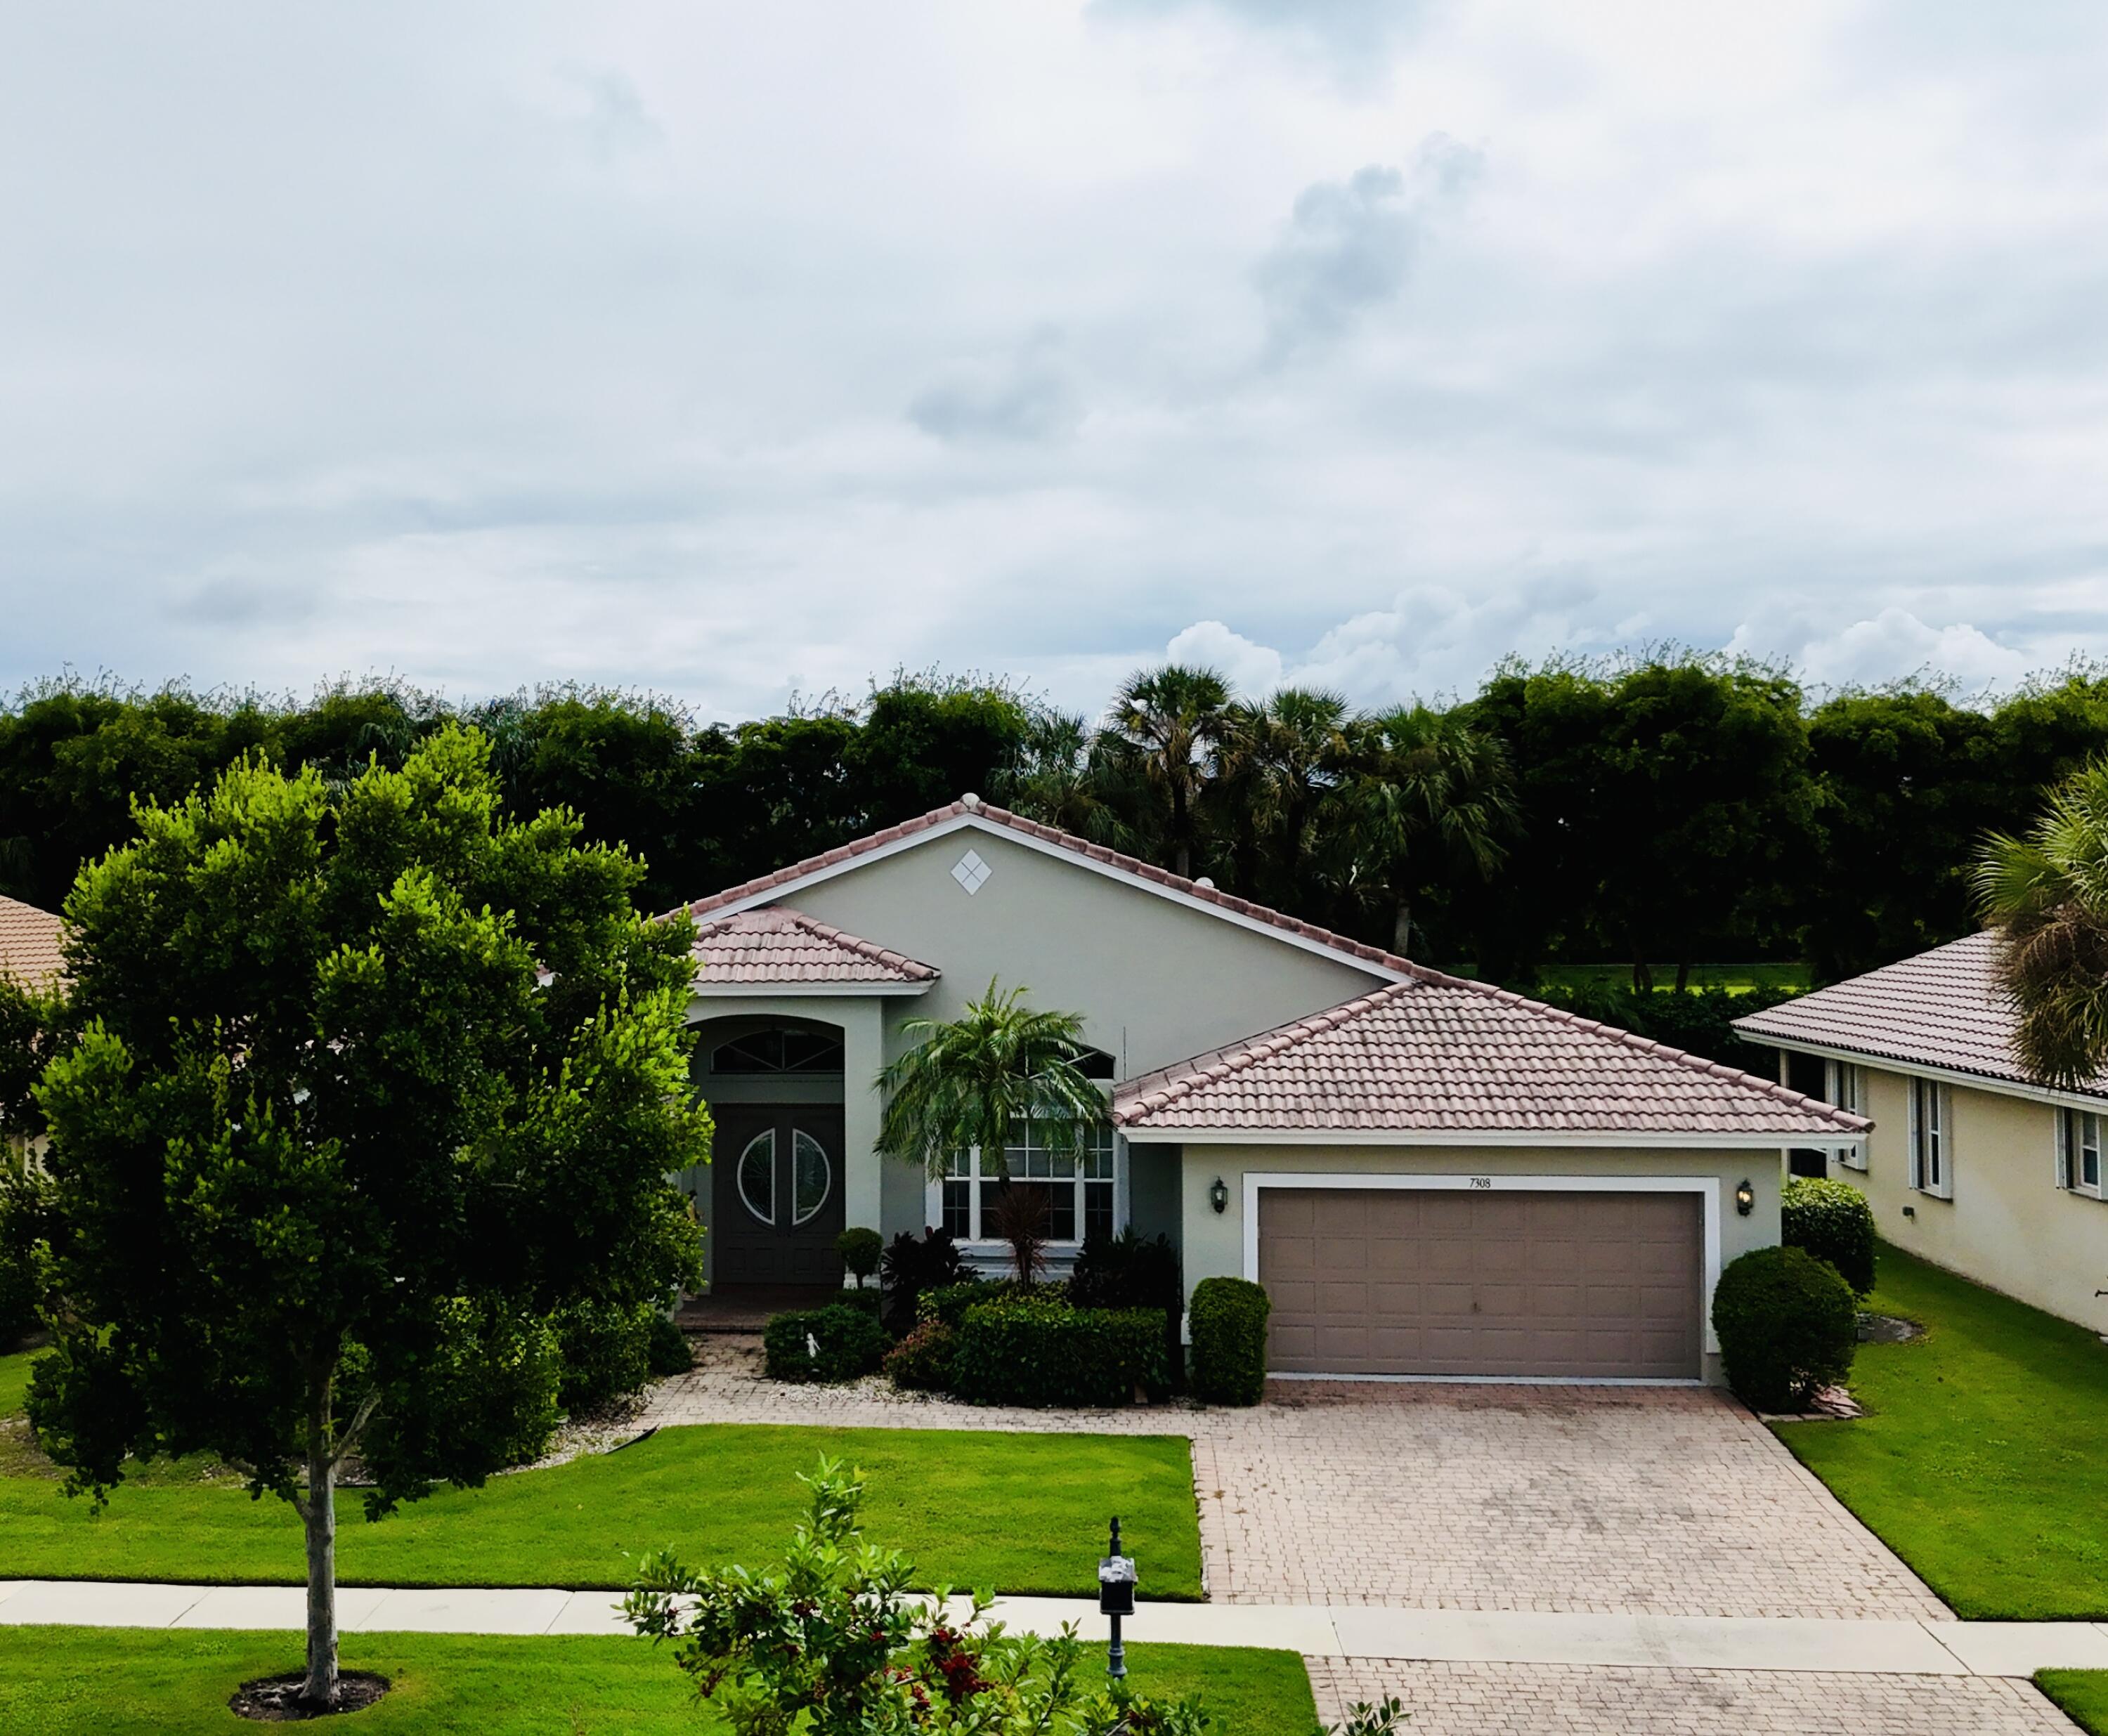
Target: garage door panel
x,y
1457,1281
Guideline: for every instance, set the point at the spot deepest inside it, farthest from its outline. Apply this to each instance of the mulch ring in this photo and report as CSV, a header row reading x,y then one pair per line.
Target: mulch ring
x,y
275,1699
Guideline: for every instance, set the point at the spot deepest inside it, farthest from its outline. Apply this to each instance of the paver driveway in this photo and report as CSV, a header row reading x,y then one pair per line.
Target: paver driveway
x,y
1661,1500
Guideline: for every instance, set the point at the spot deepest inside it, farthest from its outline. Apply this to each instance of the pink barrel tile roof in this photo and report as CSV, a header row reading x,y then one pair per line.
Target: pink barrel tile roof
x,y
1941,1009
1439,1054
777,944
29,943
1002,819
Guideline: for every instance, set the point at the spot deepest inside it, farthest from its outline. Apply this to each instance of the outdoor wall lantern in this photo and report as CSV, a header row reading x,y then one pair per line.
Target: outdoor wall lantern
x,y
1219,1196
1745,1199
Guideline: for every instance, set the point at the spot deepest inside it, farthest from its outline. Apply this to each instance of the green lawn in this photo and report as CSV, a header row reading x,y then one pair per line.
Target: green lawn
x,y
56,1681
1981,1460
1015,1513
2081,1695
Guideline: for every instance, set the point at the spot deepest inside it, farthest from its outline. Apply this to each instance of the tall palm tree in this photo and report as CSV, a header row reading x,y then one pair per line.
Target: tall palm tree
x,y
1280,762
1170,721
970,1081
2046,897
1055,780
1431,794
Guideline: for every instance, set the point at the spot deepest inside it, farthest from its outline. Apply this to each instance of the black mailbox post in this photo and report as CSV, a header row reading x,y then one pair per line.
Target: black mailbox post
x,y
1116,1582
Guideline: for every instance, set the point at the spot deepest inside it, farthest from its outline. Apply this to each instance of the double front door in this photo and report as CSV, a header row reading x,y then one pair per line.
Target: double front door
x,y
776,1193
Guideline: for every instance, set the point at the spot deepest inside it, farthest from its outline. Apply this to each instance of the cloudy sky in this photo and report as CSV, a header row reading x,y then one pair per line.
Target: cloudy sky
x,y
733,350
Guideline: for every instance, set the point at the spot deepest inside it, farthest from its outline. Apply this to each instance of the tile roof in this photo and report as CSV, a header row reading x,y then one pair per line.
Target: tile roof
x,y
29,943
779,945
1941,1009
1440,1054
1003,819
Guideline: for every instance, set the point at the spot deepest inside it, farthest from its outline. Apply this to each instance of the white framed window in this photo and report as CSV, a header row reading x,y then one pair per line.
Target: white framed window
x,y
2080,1134
1843,1087
1079,1188
1932,1138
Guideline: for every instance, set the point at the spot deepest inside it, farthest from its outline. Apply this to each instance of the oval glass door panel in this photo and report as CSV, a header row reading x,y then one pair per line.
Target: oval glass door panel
x,y
812,1176
757,1176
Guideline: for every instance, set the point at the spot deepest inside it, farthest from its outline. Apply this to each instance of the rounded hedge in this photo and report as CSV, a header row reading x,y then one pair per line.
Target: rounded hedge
x,y
1787,1324
1833,1221
860,1250
1228,1317
921,1362
1039,1351
822,1345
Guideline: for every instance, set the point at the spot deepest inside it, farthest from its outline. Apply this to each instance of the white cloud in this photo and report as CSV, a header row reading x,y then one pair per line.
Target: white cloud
x,y
490,343
1895,644
1253,671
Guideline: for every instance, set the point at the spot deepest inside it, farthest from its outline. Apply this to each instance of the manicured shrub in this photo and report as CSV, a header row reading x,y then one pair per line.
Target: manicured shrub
x,y
921,1362
1833,1221
666,1348
605,1350
1131,1272
823,1345
864,1302
948,1303
1039,1350
25,1203
1228,1316
860,1250
912,1265
1787,1325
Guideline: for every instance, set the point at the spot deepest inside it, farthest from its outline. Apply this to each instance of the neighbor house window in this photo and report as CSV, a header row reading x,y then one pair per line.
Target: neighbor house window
x,y
2078,1137
1843,1087
1932,1138
1074,1188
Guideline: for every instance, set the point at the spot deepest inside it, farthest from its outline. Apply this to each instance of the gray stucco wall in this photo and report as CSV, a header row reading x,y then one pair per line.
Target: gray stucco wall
x,y
1155,981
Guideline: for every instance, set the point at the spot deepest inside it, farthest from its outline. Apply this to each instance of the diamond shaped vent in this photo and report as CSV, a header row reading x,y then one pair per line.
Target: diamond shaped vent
x,y
970,872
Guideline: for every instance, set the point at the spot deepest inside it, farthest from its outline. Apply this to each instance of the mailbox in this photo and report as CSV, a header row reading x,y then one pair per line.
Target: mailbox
x,y
1116,1578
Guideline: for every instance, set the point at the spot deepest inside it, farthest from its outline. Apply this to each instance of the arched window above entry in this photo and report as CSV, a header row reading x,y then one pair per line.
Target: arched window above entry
x,y
780,1051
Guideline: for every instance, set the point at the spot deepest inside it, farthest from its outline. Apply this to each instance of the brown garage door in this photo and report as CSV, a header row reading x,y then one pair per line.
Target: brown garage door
x,y
1425,1281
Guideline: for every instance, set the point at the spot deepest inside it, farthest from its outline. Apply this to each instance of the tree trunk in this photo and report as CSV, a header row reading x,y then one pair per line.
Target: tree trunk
x,y
1682,975
1642,977
1401,930
320,1515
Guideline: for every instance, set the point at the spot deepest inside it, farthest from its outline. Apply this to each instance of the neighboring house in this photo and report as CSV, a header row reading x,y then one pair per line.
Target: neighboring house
x,y
29,943
28,955
1970,1165
1432,1176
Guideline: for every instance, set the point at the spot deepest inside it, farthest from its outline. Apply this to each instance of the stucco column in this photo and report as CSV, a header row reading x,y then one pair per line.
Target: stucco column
x,y
863,1055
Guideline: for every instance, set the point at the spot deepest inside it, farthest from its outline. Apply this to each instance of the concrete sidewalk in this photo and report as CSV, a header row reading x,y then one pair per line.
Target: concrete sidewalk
x,y
1803,1645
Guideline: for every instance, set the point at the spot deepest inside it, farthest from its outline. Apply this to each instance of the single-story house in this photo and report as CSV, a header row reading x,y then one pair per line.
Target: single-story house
x,y
1432,1176
1971,1164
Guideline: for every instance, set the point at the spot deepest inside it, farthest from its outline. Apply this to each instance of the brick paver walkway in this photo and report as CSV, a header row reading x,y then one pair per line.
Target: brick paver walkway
x,y
1613,1500
1531,1699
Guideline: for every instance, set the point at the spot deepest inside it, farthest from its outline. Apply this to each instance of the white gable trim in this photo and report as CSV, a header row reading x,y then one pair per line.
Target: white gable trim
x,y
784,890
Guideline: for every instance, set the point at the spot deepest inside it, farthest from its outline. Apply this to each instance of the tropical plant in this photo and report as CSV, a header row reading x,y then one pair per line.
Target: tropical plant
x,y
913,1265
968,1082
2046,897
1431,799
1019,1219
833,1642
1169,723
1280,762
353,1090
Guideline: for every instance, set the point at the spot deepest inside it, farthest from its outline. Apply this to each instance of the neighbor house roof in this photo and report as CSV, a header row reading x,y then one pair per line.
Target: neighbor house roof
x,y
1440,1054
972,811
29,943
780,945
1941,1009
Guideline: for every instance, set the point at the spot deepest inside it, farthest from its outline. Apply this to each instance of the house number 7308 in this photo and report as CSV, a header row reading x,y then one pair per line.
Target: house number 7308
x,y
1481,1181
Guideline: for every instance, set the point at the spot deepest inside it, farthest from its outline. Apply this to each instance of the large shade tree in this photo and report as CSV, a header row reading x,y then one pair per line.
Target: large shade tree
x,y
354,1085
2045,894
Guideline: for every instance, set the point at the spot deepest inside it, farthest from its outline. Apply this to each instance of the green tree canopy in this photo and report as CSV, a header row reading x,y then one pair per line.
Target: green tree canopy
x,y
352,1088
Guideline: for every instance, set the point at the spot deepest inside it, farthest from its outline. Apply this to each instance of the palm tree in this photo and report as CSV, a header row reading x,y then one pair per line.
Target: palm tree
x,y
969,1081
2046,897
1432,794
1170,721
1054,781
1279,764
